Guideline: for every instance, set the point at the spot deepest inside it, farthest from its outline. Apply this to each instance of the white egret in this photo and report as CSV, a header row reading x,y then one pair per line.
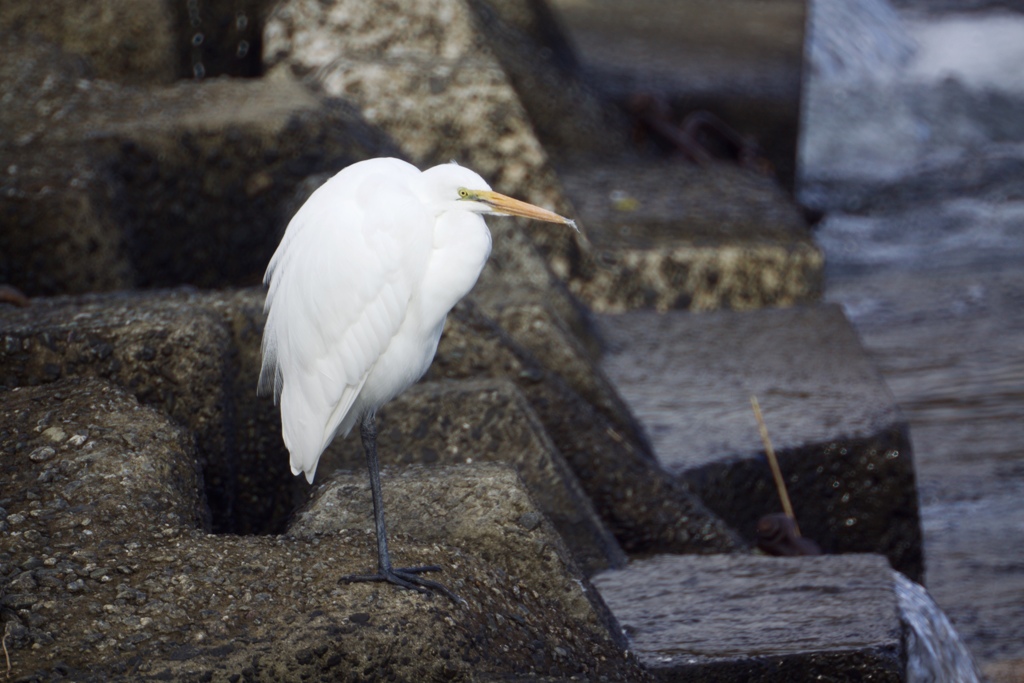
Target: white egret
x,y
359,290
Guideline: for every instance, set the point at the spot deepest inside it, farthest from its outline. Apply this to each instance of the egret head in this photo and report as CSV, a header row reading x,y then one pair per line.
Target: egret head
x,y
451,187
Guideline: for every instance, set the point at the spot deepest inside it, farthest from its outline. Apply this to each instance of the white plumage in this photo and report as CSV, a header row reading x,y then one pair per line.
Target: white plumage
x,y
359,289
358,292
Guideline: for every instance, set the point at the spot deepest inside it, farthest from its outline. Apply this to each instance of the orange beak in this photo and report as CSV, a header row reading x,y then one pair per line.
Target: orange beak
x,y
508,206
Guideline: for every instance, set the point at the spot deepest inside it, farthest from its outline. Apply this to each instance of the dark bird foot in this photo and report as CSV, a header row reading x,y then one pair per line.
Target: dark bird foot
x,y
407,577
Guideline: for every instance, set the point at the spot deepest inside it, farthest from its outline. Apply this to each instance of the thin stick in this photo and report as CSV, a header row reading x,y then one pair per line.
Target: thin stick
x,y
773,462
7,628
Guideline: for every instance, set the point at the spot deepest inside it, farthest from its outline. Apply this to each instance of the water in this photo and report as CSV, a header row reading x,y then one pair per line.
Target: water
x,y
946,335
985,50
925,253
935,652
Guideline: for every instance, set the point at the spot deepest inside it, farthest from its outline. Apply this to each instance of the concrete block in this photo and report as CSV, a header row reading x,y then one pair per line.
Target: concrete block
x,y
759,619
843,447
422,72
59,233
483,509
128,41
741,60
220,38
86,459
107,578
673,235
114,187
169,355
196,356
645,507
487,420
533,48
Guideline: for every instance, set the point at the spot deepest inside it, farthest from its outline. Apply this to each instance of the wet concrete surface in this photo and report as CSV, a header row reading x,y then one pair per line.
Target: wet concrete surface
x,y
689,378
841,441
733,618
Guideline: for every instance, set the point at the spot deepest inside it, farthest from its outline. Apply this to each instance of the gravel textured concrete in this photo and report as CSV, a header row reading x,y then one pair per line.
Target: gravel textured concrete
x,y
106,577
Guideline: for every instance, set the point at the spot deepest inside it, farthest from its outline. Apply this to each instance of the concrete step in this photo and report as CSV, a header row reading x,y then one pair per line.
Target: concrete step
x,y
104,191
674,235
843,446
196,356
107,577
486,420
758,619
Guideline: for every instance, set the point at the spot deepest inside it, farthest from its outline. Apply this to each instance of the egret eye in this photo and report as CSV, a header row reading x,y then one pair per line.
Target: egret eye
x,y
463,193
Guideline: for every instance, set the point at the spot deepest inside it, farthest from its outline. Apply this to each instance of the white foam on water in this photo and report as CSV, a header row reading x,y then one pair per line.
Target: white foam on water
x,y
955,231
985,51
935,652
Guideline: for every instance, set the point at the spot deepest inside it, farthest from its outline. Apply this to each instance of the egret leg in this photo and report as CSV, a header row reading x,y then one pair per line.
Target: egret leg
x,y
407,577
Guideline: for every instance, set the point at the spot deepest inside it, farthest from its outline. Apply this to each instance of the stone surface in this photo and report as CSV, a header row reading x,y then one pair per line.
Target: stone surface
x,y
196,356
646,508
434,88
716,361
58,233
108,570
489,420
843,446
148,42
536,23
423,74
672,235
415,69
480,509
735,240
129,41
69,445
106,578
687,47
571,353
732,618
516,275
483,509
263,491
169,354
108,174
530,43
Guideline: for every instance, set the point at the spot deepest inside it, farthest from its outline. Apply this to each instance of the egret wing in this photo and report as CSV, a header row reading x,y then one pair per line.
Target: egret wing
x,y
339,289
